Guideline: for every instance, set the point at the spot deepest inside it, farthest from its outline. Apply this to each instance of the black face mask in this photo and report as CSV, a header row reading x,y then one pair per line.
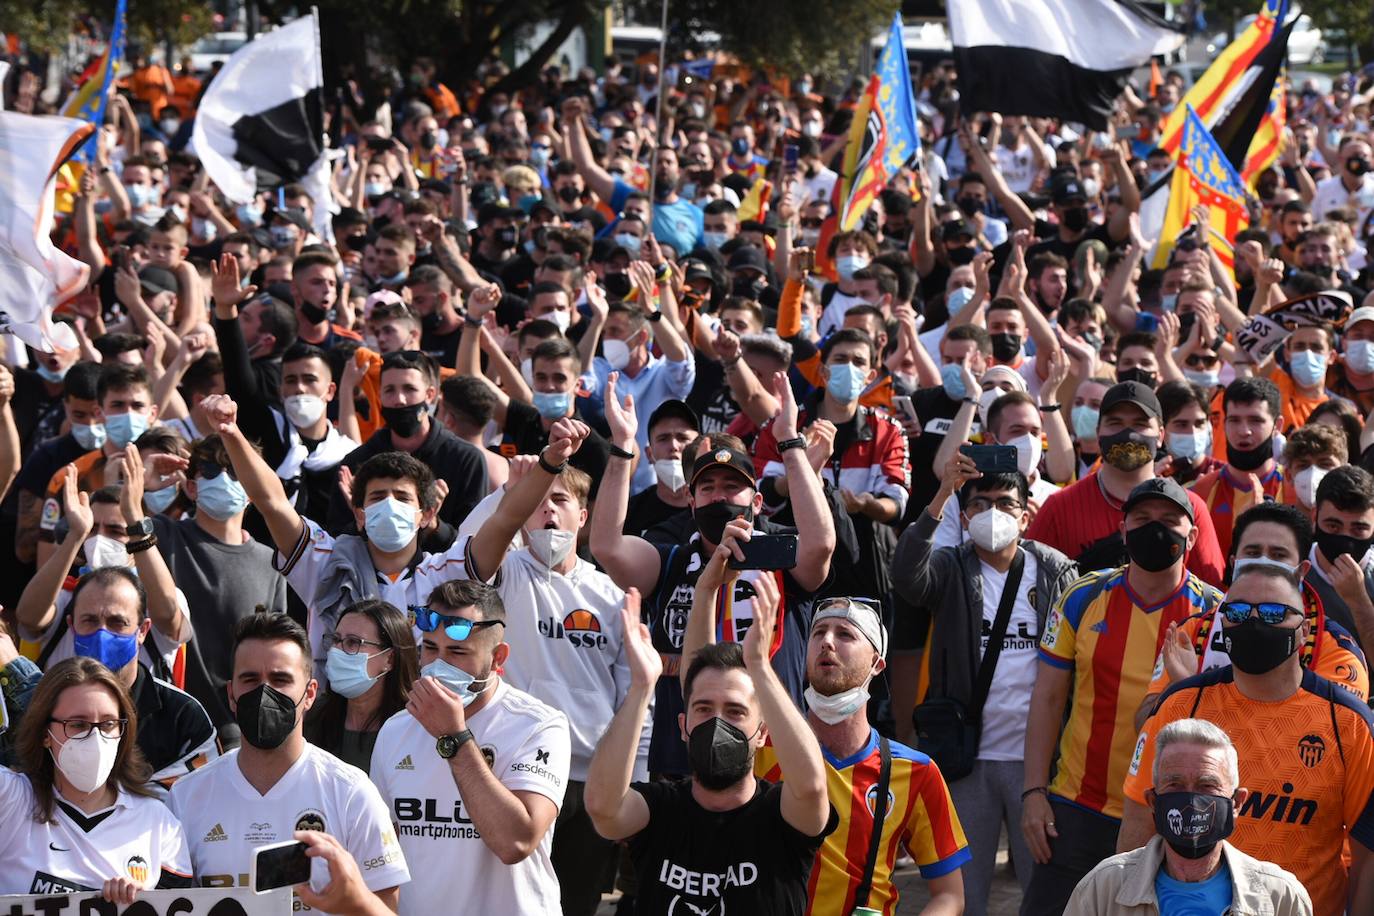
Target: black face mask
x,y
617,285
569,194
314,313
430,322
664,188
266,717
1357,166
1155,547
1250,459
1075,219
969,206
748,287
1193,824
712,518
404,421
1137,374
1256,647
1127,449
719,754
1333,545
429,139
960,256
1005,347
505,237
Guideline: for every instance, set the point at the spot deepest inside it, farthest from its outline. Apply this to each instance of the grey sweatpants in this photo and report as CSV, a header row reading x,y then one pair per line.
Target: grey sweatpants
x,y
984,800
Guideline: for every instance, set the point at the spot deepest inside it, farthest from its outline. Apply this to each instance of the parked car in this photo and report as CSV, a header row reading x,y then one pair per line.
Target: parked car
x,y
215,47
1305,45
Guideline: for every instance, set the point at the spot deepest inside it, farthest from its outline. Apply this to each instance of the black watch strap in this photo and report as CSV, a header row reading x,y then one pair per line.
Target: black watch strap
x,y
618,452
654,317
794,442
547,466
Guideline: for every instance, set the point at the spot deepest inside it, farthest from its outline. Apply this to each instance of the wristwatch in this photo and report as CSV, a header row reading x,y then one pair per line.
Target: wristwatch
x,y
618,452
140,529
448,745
654,316
794,442
1049,408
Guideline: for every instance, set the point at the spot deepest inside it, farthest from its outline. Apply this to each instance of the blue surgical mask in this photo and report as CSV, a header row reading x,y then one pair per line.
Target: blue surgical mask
x,y
539,156
51,376
89,436
283,236
249,215
123,428
455,679
347,674
141,195
528,201
808,325
629,242
159,500
952,377
552,405
395,279
221,497
957,299
1169,302
1084,421
375,189
1204,380
846,265
110,649
1308,367
845,381
714,240
391,524
1190,446
1359,356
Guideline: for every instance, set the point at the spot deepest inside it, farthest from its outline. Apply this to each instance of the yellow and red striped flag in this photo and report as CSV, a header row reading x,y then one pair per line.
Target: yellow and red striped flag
x,y
1266,145
1203,176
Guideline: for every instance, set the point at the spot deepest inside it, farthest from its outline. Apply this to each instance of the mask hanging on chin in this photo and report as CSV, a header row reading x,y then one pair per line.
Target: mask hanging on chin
x,y
837,707
1250,459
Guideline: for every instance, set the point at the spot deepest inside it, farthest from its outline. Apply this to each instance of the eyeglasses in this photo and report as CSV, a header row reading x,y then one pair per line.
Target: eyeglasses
x,y
457,628
352,645
980,504
209,470
76,729
1270,612
1201,361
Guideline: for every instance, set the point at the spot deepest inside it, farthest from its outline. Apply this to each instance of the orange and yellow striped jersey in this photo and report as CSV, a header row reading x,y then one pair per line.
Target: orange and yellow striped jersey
x,y
1307,761
1110,639
920,816
1227,497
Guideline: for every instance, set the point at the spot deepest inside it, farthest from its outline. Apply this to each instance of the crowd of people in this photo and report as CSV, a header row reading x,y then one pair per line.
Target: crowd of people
x,y
562,507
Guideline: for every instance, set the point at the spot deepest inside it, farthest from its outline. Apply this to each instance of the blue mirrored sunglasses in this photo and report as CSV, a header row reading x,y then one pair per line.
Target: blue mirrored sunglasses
x,y
1270,612
456,628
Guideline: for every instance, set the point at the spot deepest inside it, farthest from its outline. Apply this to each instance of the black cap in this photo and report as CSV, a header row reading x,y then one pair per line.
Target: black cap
x,y
295,216
282,291
954,228
722,457
697,270
1066,190
436,184
673,408
1160,488
493,211
1137,393
749,257
157,279
542,204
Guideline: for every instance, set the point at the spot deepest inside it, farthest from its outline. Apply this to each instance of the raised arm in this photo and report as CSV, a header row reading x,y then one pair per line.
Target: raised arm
x,y
701,620
960,425
163,609
666,335
630,561
1015,208
9,432
601,309
618,811
1118,293
574,127
972,310
810,511
260,482
1118,227
192,348
755,401
1059,457
38,604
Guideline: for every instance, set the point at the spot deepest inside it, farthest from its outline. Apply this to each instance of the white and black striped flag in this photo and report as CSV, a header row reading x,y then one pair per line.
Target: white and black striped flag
x,y
261,122
1065,59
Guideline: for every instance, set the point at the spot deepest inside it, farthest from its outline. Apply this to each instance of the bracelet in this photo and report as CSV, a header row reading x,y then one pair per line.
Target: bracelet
x,y
1041,789
471,321
663,271
550,468
727,365
618,452
1049,408
970,401
794,442
654,317
141,545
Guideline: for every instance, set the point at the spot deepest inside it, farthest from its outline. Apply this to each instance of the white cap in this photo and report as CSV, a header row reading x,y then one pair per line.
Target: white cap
x,y
863,613
1363,313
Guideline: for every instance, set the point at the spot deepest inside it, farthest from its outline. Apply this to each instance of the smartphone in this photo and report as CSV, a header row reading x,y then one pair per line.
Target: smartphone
x,y
908,409
808,259
769,551
279,865
791,153
992,459
378,144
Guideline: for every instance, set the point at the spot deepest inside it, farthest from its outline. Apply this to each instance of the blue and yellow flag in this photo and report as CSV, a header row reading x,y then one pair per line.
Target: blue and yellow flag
x,y
88,102
1203,176
883,136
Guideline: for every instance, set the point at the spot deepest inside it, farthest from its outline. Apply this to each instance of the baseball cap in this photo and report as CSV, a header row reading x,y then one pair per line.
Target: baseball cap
x,y
697,270
1067,190
722,457
953,228
748,257
1160,488
157,279
493,211
673,407
863,613
295,216
1135,393
1363,313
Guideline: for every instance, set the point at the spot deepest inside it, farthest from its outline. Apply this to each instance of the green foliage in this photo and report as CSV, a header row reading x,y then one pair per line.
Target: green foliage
x,y
48,25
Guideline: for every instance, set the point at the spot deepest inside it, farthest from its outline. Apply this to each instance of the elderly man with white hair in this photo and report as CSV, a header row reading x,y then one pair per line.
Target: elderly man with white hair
x,y
1188,866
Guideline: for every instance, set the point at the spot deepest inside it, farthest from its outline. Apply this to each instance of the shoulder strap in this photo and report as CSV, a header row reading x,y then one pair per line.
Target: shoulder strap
x,y
42,660
861,893
998,637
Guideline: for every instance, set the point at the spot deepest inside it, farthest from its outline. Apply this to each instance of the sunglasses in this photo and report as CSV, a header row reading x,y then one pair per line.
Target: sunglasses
x,y
1270,612
457,628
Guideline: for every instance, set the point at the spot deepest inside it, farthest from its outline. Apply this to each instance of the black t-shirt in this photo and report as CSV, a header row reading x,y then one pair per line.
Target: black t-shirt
x,y
645,510
442,347
525,433
38,414
750,860
936,411
711,397
1049,240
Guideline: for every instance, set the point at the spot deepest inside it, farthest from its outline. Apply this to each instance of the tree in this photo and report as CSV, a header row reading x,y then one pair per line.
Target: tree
x,y
48,26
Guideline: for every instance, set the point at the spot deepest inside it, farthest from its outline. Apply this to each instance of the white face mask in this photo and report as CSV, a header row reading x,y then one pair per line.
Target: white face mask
x,y
102,551
86,762
835,709
993,529
551,546
616,352
1306,482
561,318
669,473
1028,450
303,409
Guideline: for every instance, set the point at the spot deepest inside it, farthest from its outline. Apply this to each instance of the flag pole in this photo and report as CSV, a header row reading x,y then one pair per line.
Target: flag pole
x,y
658,106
